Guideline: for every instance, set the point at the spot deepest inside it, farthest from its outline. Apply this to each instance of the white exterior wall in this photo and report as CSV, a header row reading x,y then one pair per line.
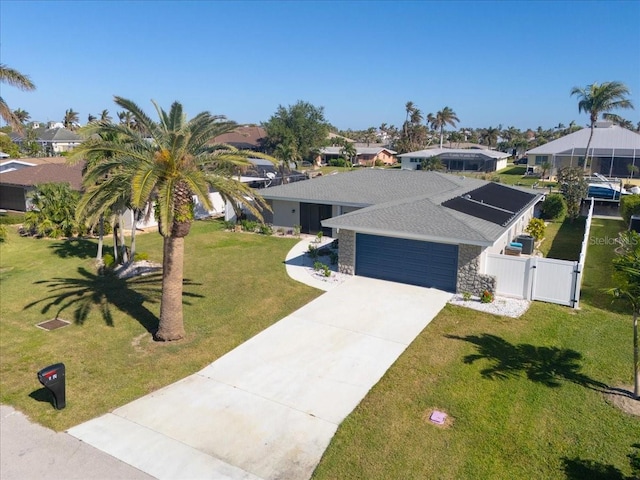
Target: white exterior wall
x,y
516,229
286,214
216,200
407,164
500,164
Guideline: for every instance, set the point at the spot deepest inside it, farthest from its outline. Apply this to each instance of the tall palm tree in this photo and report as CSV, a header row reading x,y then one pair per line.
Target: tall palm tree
x,y
104,116
16,79
595,99
349,151
490,135
70,119
444,117
173,161
21,115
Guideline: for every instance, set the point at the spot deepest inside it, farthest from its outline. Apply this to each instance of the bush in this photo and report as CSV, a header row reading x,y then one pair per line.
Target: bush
x,y
3,233
554,207
108,261
229,225
379,163
536,228
249,225
333,257
629,205
265,229
321,267
139,257
338,162
312,251
296,230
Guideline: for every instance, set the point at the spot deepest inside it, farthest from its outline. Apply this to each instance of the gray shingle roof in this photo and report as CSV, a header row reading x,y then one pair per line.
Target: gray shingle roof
x,y
404,203
51,135
456,153
606,139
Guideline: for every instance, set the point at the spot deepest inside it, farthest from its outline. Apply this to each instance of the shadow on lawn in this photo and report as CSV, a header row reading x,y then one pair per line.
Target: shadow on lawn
x,y
104,291
578,469
76,248
547,365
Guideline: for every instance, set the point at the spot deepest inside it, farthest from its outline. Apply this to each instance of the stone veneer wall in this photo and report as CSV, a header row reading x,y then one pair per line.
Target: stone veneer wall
x,y
347,252
469,280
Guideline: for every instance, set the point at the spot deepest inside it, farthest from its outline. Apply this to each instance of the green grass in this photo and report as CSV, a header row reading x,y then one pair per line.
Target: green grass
x,y
236,286
525,395
563,240
512,175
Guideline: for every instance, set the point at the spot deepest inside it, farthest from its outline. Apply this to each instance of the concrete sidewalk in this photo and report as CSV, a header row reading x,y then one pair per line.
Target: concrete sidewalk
x,y
269,408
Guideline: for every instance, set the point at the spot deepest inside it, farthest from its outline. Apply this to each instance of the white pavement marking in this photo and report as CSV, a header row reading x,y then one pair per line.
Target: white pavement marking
x,y
269,408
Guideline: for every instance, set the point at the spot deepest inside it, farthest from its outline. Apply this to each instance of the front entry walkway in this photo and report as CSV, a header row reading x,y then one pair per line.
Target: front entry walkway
x,y
269,408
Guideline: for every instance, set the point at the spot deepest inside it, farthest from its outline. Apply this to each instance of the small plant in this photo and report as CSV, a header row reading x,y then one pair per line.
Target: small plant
x,y
108,261
466,296
139,257
296,230
486,297
319,236
265,229
333,257
317,266
326,271
249,225
229,225
536,228
321,267
312,251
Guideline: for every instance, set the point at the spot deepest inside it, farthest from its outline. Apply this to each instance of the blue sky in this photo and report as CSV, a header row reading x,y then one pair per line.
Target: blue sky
x,y
509,62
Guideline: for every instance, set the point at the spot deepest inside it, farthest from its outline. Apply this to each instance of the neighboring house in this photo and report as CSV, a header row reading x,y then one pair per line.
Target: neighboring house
x,y
457,159
245,137
424,228
11,164
53,141
16,185
612,150
365,156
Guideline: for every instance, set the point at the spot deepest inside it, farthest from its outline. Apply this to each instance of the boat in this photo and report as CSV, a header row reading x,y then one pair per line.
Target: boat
x,y
600,187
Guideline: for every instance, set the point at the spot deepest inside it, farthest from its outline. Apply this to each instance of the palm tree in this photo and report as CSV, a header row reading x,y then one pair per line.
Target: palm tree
x,y
91,118
21,115
16,79
349,151
596,99
104,116
126,118
175,162
287,153
490,135
444,117
70,119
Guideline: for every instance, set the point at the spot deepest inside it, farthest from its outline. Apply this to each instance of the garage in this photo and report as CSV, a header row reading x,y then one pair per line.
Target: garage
x,y
415,262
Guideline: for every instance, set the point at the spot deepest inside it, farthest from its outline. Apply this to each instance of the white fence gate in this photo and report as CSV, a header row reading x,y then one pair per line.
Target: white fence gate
x,y
537,278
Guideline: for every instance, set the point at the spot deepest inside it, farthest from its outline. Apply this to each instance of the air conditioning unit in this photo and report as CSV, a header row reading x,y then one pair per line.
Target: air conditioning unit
x,y
634,223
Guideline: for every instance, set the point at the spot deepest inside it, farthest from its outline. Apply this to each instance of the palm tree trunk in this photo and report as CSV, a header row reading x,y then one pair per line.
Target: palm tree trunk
x,y
636,367
116,248
100,238
586,153
441,136
123,244
171,325
134,216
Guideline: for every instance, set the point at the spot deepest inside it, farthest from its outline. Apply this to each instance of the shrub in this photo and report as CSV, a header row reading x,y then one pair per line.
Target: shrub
x,y
312,251
265,229
141,256
466,296
319,236
536,228
321,267
108,261
379,163
554,207
333,257
249,225
3,233
229,225
326,271
486,297
338,162
629,205
281,231
296,230
317,266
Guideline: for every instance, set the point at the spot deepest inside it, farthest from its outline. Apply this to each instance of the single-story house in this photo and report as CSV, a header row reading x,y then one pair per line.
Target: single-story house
x,y
612,150
365,156
457,159
53,141
12,164
425,228
244,137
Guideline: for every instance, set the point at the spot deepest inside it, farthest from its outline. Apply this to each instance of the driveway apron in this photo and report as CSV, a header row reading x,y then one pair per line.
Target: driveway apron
x,y
269,408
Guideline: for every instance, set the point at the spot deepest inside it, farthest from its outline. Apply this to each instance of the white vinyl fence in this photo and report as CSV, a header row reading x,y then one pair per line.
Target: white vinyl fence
x,y
537,278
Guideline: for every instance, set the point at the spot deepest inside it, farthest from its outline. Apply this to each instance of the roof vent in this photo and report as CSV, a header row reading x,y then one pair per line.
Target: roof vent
x,y
467,196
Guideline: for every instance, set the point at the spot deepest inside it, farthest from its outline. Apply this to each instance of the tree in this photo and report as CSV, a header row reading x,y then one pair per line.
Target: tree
x,y
574,189
444,117
8,147
432,164
349,151
627,286
490,136
301,125
16,79
287,154
171,163
546,167
21,115
595,99
70,119
104,116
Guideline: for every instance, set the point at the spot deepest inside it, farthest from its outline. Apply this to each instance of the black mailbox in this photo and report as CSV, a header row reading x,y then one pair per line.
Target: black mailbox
x,y
52,377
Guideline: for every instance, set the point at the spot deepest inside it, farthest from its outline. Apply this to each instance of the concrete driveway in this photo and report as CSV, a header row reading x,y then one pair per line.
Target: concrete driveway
x,y
269,408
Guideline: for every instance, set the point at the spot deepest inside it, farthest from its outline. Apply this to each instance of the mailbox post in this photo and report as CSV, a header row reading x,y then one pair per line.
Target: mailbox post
x,y
52,377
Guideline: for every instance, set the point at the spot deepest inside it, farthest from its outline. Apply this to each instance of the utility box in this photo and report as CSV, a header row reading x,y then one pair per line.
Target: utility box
x,y
528,243
53,379
634,223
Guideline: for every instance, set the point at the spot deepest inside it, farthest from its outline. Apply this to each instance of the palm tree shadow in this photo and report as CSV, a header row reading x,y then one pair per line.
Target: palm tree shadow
x,y
579,469
89,291
549,366
75,247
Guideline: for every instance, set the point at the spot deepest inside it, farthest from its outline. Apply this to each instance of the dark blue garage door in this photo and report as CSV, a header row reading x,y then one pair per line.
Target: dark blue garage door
x,y
426,264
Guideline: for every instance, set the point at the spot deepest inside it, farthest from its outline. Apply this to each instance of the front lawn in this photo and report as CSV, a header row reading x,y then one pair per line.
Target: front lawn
x,y
235,286
524,395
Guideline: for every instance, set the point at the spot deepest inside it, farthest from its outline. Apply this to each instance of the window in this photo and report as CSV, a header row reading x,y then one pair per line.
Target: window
x,y
540,159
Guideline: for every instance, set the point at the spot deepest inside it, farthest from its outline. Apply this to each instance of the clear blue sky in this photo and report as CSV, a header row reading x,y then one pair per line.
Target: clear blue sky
x,y
509,63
